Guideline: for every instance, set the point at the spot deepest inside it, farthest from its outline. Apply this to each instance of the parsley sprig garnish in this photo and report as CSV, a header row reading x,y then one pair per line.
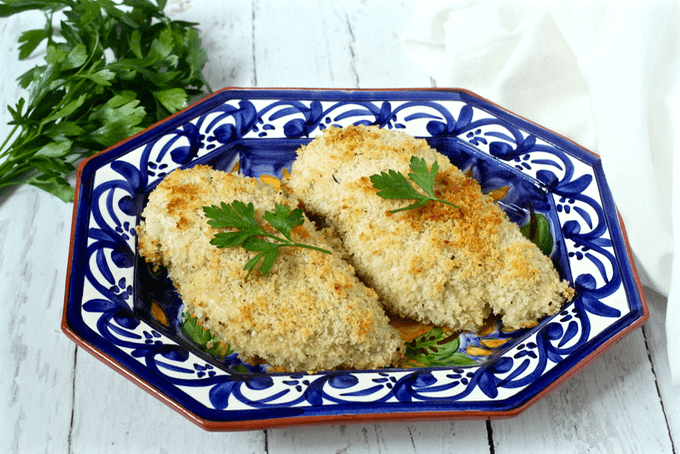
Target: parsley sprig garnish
x,y
110,70
394,185
251,236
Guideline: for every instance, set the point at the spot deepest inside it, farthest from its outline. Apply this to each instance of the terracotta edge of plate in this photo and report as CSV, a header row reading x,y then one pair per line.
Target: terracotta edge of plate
x,y
356,418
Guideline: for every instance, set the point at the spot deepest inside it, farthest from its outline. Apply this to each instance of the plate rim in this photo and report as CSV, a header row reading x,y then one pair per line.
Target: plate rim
x,y
633,320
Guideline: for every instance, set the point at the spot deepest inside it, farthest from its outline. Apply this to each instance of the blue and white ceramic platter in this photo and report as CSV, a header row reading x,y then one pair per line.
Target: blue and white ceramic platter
x,y
108,309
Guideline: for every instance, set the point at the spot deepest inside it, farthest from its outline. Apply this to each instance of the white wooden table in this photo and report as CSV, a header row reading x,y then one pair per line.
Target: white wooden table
x,y
55,397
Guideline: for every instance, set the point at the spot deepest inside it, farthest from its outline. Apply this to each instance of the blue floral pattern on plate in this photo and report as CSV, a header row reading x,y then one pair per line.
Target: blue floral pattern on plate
x,y
112,297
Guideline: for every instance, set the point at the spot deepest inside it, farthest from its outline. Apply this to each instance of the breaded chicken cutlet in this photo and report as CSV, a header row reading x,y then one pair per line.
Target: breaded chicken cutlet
x,y
436,264
309,313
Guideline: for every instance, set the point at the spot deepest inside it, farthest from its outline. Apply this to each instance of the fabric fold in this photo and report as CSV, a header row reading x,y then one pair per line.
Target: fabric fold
x,y
604,74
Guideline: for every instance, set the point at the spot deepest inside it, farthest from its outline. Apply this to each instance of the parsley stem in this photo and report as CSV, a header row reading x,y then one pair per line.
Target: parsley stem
x,y
286,242
312,247
11,176
448,203
9,136
417,205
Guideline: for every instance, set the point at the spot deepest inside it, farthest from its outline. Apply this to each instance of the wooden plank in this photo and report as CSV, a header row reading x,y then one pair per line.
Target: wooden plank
x,y
226,34
611,406
333,45
655,335
113,415
37,359
377,54
110,413
301,44
336,48
415,437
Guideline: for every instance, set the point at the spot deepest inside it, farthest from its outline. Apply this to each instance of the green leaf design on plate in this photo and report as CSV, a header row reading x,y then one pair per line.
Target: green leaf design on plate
x,y
436,348
205,339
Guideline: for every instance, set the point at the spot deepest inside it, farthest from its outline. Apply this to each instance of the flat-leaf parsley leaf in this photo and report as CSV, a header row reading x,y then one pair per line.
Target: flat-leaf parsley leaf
x,y
248,233
394,185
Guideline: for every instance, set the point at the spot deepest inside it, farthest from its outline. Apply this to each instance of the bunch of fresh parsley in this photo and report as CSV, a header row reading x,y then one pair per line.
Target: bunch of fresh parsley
x,y
110,70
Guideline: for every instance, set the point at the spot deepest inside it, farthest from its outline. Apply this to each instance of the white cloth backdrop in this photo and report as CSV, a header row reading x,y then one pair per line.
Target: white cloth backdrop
x,y
605,74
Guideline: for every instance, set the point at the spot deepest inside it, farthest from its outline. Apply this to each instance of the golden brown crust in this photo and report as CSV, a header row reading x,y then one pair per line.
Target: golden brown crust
x,y
309,313
437,264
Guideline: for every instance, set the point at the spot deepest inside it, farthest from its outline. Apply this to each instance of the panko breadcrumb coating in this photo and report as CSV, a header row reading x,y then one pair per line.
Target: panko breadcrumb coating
x,y
436,264
309,313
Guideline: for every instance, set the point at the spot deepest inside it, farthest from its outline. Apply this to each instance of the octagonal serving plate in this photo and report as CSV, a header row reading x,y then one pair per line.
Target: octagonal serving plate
x,y
130,317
